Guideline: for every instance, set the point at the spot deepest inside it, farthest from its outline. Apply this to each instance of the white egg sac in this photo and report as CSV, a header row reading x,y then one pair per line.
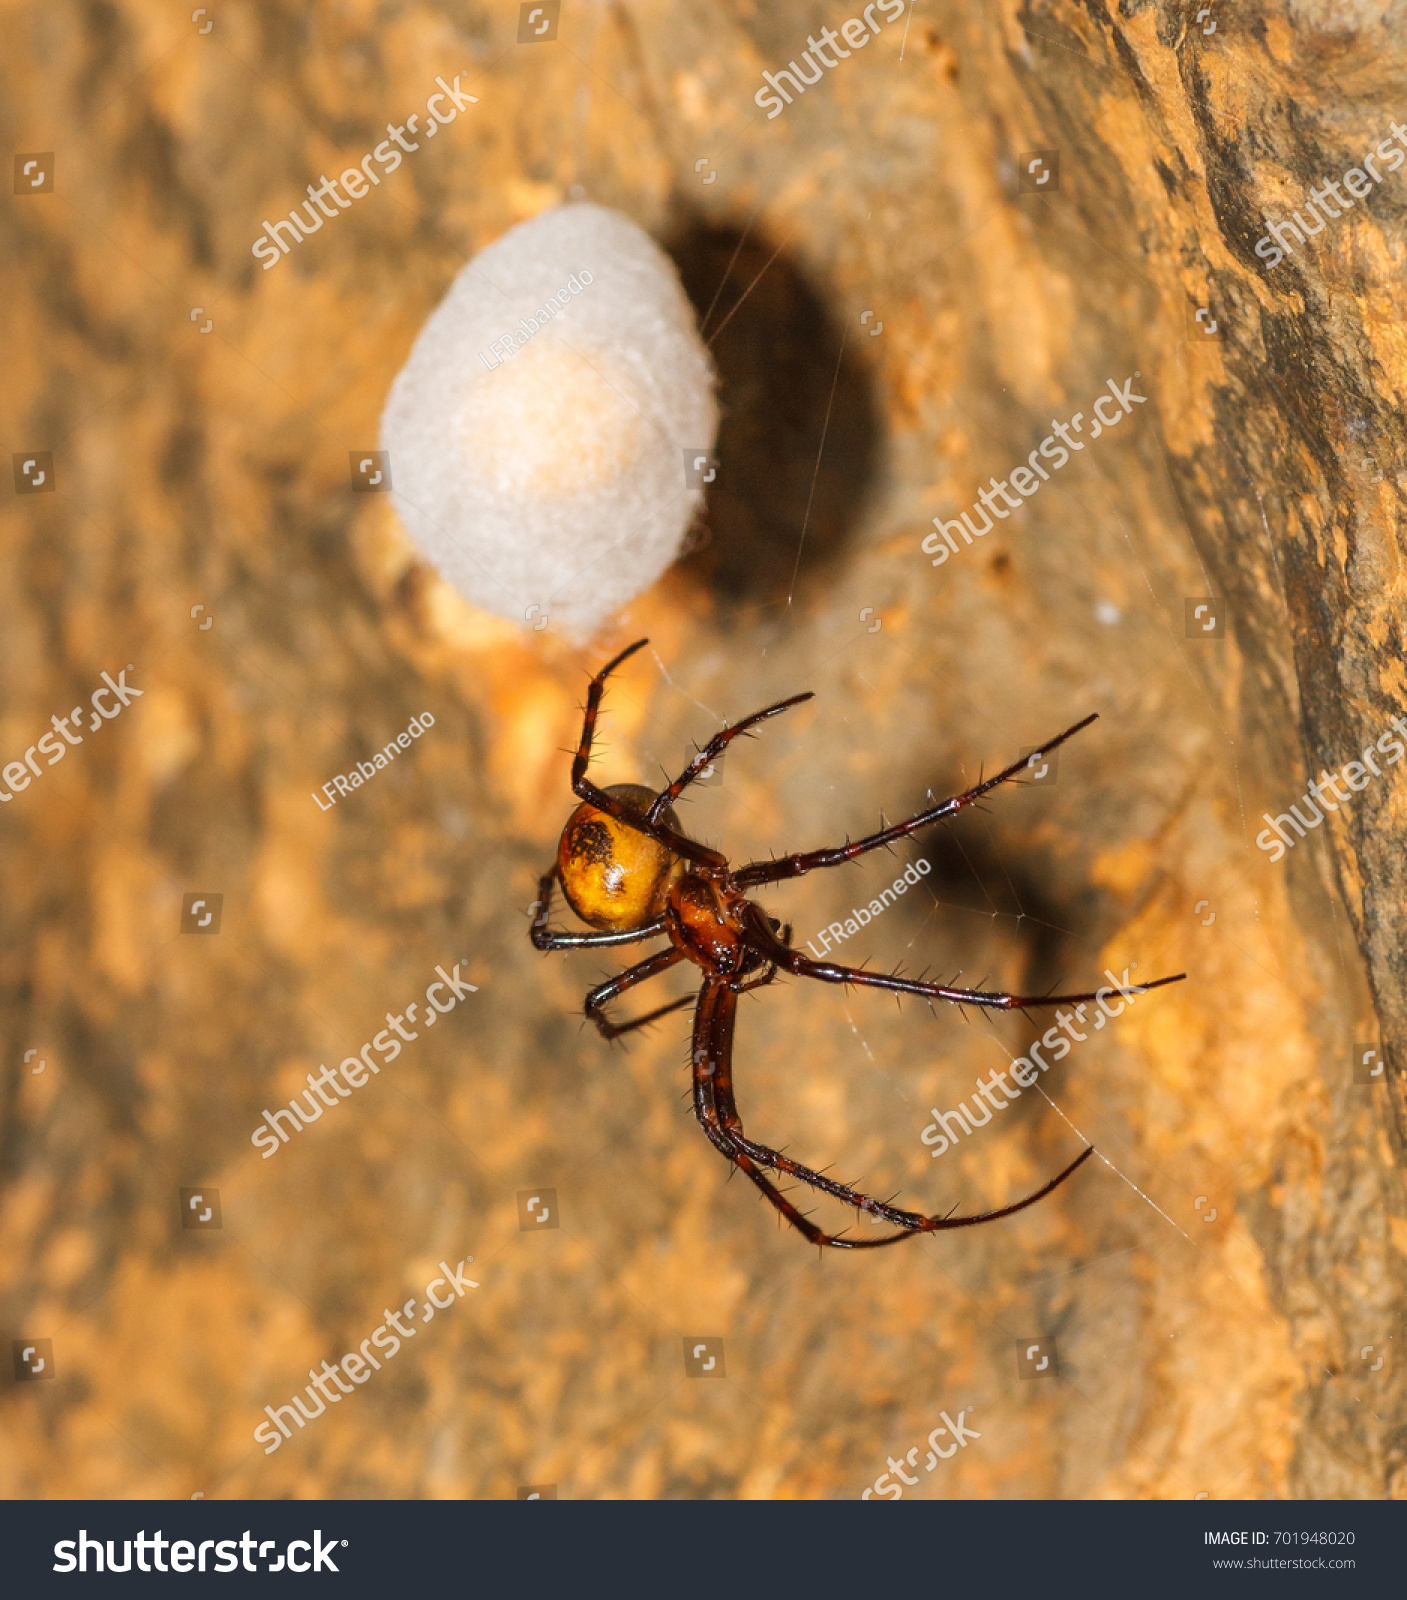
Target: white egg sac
x,y
543,433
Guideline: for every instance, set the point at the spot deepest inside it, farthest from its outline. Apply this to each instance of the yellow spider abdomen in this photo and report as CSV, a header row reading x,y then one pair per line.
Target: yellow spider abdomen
x,y
614,877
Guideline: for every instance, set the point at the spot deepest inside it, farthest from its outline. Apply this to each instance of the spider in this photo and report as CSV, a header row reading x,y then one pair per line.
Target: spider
x,y
629,871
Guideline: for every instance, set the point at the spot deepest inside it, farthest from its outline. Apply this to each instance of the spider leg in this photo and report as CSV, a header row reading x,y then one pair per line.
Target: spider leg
x,y
584,789
762,939
545,938
762,982
718,1114
713,1042
712,1063
797,866
989,999
651,967
769,969
711,752
713,1036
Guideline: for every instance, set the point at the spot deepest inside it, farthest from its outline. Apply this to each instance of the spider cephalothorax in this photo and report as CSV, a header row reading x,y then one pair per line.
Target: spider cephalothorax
x,y
629,871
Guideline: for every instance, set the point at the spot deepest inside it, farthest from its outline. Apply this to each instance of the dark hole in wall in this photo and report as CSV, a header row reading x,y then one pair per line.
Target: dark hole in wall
x,y
784,388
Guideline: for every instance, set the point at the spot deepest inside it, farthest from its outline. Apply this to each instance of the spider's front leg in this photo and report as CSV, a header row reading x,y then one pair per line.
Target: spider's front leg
x,y
756,873
584,789
711,752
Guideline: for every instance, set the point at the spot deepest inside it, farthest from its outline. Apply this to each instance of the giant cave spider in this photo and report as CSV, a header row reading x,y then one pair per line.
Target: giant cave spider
x,y
628,870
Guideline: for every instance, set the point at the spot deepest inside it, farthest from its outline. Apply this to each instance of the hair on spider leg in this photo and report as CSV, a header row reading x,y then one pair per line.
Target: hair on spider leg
x,y
630,872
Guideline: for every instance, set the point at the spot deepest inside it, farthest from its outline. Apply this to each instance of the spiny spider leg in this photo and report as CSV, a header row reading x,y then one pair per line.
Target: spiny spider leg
x,y
713,1038
711,752
583,789
797,866
545,938
715,1000
990,999
762,939
717,1112
651,967
771,969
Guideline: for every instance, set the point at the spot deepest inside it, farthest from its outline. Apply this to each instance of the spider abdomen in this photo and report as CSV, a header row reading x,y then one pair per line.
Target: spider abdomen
x,y
614,877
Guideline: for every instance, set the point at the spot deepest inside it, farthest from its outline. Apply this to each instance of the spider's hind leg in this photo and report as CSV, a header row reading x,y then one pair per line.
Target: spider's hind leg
x,y
717,1112
718,1116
